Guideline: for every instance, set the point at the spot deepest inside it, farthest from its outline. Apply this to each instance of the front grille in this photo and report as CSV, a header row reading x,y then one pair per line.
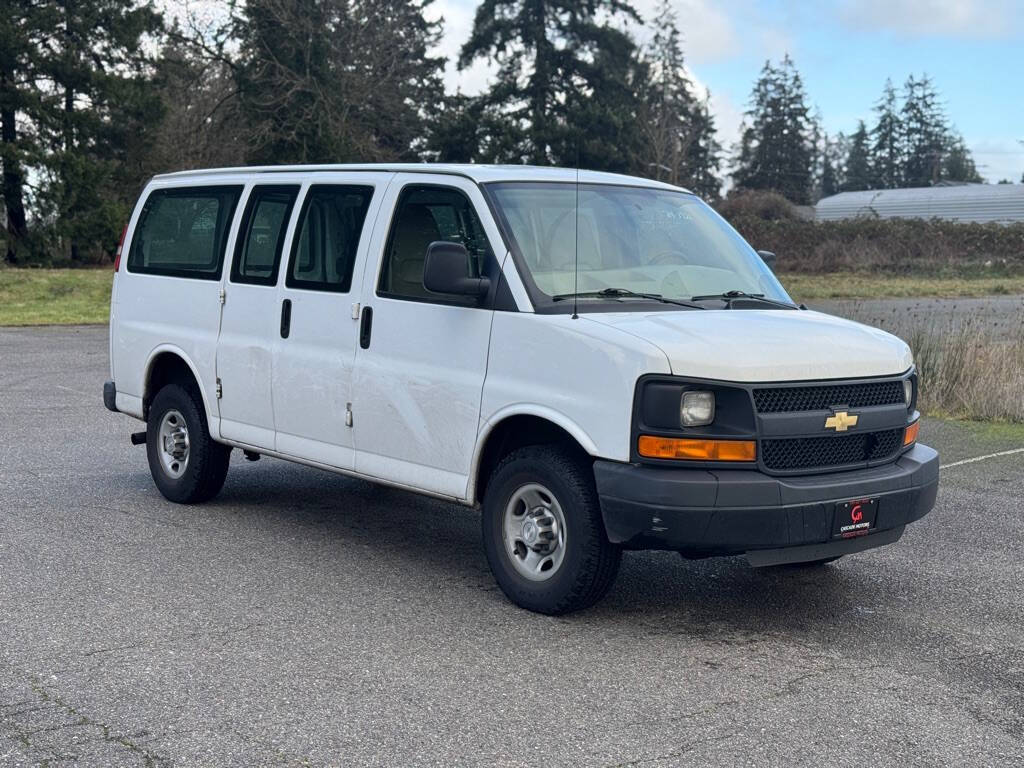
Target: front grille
x,y
820,452
823,397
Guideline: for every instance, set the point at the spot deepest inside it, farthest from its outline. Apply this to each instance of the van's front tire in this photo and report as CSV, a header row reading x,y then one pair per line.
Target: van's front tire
x,y
187,465
543,533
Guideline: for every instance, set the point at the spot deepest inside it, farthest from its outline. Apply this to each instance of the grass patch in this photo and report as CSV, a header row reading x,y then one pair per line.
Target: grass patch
x,y
54,296
850,285
992,430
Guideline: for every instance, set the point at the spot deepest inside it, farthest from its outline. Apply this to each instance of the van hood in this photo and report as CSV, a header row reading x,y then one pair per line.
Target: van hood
x,y
752,345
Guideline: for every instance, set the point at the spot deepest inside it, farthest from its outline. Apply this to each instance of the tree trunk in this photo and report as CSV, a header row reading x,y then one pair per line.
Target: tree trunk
x,y
13,180
69,143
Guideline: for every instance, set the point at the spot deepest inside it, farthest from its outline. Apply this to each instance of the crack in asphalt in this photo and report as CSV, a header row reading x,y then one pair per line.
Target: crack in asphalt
x,y
23,734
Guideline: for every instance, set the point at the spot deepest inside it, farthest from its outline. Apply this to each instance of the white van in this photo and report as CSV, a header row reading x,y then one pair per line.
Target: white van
x,y
599,362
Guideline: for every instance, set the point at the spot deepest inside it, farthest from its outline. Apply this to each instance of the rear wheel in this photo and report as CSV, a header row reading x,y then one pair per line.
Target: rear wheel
x,y
187,465
543,533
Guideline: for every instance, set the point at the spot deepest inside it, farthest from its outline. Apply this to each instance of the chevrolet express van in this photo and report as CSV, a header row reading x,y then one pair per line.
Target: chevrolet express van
x,y
597,362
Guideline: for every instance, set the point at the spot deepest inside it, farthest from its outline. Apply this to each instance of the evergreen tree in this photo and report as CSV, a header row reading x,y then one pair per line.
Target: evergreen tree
x,y
600,119
548,65
833,165
678,132
887,142
925,133
95,115
455,130
958,165
335,80
858,172
776,149
18,25
704,155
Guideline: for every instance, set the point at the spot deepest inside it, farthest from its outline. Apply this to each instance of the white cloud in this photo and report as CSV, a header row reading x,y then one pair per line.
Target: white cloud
x,y
458,23
998,158
708,32
934,18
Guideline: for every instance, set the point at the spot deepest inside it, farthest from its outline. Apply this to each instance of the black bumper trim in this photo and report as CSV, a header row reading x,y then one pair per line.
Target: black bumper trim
x,y
808,553
707,512
110,396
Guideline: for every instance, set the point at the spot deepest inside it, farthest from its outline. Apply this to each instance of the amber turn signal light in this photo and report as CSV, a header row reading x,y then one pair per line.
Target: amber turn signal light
x,y
910,435
696,450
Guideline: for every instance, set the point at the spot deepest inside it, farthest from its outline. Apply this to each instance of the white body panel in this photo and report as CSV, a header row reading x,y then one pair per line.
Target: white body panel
x,y
580,374
244,361
313,367
765,345
417,386
438,378
150,314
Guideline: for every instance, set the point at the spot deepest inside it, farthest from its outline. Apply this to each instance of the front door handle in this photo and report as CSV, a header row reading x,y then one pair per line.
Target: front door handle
x,y
365,326
286,318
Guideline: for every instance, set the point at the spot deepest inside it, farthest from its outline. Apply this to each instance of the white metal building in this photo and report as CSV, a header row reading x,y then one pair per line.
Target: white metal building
x,y
1003,203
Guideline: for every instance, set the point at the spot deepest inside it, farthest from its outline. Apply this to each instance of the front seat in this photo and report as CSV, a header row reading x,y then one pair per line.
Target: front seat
x,y
415,231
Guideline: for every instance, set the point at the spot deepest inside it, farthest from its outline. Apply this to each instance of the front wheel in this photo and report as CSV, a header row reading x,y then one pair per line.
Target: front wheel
x,y
187,465
543,532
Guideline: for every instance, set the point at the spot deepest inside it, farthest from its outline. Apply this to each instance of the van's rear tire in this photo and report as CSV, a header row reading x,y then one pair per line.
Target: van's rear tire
x,y
187,465
543,533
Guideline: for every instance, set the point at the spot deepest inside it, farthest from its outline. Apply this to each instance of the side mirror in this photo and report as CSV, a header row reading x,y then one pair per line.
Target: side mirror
x,y
446,270
768,258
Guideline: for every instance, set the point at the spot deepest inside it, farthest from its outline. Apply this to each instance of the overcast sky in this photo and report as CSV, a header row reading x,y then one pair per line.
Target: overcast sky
x,y
973,50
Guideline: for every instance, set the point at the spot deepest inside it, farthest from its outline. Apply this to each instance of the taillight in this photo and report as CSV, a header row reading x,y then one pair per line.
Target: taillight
x,y
120,246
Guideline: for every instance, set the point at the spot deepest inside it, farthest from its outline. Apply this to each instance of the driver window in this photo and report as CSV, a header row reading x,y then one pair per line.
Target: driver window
x,y
423,215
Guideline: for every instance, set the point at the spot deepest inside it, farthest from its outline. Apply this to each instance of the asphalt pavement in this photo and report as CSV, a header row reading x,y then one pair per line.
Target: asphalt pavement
x,y
307,619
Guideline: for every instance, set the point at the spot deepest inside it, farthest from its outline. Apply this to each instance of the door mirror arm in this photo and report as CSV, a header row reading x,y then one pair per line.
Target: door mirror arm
x,y
446,270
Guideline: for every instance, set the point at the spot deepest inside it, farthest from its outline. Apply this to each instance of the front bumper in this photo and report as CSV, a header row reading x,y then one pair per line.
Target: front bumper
x,y
703,512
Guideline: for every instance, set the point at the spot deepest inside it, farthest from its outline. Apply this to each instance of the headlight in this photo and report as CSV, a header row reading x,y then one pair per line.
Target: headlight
x,y
697,409
908,391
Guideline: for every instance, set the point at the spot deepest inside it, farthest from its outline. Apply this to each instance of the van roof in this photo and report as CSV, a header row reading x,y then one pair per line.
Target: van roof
x,y
477,173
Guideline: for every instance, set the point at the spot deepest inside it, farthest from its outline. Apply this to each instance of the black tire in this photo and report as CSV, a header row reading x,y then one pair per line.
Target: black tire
x,y
207,466
589,563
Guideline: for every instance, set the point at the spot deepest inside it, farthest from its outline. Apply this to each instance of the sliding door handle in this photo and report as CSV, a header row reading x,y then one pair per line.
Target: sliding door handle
x,y
286,318
365,327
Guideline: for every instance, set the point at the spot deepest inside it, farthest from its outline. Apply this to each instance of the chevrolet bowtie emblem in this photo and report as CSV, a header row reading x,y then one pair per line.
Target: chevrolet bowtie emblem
x,y
841,421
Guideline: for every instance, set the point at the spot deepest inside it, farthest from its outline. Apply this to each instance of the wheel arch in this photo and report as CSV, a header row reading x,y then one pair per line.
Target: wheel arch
x,y
168,363
518,426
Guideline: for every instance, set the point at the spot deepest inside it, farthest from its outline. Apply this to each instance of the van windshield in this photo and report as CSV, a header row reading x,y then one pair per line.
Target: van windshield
x,y
627,240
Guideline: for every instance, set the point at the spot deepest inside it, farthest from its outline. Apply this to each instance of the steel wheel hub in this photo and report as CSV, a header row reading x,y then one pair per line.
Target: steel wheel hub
x,y
533,532
173,444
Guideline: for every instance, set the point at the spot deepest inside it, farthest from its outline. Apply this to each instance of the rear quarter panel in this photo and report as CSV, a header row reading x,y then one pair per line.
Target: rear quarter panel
x,y
150,313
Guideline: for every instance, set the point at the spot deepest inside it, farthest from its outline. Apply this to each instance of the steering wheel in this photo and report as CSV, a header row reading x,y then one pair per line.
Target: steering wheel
x,y
670,257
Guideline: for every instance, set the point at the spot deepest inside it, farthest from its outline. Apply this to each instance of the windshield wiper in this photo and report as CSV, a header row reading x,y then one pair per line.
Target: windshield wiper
x,y
728,297
618,293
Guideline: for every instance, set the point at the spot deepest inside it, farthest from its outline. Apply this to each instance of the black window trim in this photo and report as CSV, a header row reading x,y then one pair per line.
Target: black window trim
x,y
242,238
221,247
491,267
294,284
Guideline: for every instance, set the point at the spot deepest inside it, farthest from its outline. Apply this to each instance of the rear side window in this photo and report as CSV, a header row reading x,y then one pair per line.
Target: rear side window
x,y
258,248
327,238
182,232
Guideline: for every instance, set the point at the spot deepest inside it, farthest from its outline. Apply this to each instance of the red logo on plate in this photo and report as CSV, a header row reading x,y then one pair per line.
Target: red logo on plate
x,y
856,514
